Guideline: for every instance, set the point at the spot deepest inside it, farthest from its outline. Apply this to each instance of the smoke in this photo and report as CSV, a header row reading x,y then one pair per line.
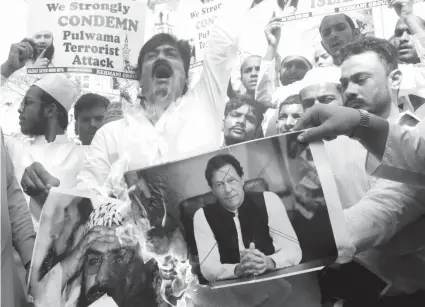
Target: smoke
x,y
157,236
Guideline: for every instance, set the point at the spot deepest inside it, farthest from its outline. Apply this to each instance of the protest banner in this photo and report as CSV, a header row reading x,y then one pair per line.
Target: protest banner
x,y
92,37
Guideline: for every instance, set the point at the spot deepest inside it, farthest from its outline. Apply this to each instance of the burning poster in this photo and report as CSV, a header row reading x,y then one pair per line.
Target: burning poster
x,y
95,251
102,38
248,213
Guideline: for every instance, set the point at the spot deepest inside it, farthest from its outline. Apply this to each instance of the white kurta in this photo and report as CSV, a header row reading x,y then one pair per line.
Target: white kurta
x,y
61,158
190,126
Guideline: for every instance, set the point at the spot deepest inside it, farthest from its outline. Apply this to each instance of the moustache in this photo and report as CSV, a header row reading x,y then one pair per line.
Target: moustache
x,y
356,101
98,291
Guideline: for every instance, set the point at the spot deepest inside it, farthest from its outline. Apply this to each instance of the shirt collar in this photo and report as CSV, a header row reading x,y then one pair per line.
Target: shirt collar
x,y
60,139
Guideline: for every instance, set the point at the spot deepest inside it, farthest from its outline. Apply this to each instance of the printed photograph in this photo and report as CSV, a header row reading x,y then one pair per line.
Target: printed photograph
x,y
93,252
248,212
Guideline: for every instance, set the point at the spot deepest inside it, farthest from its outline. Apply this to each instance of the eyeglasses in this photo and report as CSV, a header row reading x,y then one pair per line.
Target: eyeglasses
x,y
94,262
27,101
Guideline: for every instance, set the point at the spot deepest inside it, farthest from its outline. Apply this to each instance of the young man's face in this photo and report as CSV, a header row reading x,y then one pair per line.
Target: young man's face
x,y
364,81
249,72
240,125
288,117
31,116
336,33
228,186
88,122
163,77
403,42
322,58
320,93
292,71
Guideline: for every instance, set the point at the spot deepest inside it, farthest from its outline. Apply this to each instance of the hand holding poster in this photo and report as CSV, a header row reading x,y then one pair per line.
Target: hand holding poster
x,y
86,37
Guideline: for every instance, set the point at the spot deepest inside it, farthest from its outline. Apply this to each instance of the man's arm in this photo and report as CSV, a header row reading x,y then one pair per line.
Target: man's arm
x,y
220,57
209,257
385,210
97,166
403,159
265,89
288,250
23,233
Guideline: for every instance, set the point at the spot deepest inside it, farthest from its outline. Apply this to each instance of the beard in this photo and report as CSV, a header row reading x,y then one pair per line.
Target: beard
x,y
39,128
50,51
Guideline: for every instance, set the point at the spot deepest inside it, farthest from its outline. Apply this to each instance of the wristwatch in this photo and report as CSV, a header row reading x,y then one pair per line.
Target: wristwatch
x,y
364,123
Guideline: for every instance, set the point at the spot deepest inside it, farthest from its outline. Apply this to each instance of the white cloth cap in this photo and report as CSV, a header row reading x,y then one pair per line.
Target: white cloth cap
x,y
59,87
322,75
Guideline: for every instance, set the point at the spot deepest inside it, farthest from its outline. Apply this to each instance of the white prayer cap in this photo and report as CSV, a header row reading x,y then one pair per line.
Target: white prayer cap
x,y
107,215
321,75
60,88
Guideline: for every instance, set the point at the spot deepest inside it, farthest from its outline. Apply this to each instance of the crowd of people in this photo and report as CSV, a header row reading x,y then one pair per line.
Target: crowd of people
x,y
365,96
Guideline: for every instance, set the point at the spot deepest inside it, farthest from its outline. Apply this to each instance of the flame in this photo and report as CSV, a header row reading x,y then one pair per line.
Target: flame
x,y
175,270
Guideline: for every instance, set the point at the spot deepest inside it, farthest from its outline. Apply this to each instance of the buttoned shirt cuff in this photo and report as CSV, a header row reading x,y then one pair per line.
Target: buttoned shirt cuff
x,y
226,271
280,261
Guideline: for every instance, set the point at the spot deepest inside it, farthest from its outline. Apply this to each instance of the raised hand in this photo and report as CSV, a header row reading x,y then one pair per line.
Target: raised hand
x,y
41,60
18,55
402,7
273,31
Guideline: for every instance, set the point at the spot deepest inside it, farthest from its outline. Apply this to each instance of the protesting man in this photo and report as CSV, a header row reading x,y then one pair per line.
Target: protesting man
x,y
375,210
409,39
225,231
168,104
89,113
49,158
242,121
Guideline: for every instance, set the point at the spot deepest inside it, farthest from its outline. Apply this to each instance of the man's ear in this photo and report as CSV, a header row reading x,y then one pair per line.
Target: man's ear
x,y
394,79
50,110
76,127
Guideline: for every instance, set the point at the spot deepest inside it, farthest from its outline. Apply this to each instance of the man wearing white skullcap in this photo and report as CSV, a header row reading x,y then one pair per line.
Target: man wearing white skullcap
x,y
292,69
321,85
47,158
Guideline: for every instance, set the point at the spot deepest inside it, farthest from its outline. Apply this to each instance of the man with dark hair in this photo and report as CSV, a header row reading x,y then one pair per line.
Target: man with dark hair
x,y
50,158
89,112
409,39
370,81
337,31
290,110
239,236
168,103
249,74
242,121
370,76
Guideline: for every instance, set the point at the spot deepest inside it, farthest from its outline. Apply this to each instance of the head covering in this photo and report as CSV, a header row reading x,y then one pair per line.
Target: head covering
x,y
299,58
60,88
107,215
321,75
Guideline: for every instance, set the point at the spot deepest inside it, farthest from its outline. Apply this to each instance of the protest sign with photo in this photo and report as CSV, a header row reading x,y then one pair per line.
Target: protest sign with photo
x,y
92,37
94,251
280,207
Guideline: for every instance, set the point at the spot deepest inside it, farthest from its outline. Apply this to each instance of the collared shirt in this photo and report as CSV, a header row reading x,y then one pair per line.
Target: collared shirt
x,y
288,250
16,231
61,158
190,126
